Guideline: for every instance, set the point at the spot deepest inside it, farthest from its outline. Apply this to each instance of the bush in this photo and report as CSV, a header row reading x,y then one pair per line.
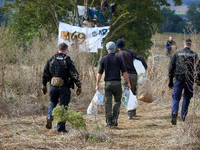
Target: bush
x,y
62,114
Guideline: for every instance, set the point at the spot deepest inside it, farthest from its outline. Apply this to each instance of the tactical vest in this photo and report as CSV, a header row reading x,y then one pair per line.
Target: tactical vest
x,y
59,67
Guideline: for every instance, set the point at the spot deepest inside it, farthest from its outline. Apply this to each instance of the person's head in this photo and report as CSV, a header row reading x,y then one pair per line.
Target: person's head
x,y
63,48
110,46
120,44
171,38
188,43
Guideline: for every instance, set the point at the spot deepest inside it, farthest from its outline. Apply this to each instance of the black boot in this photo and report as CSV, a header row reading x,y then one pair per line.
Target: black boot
x,y
114,121
109,123
174,119
49,123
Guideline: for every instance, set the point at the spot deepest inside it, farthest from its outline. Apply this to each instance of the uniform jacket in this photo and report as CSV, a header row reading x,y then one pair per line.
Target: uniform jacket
x,y
184,65
60,65
169,44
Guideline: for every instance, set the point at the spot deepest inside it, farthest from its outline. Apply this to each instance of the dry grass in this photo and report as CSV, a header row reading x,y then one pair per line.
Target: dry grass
x,y
23,106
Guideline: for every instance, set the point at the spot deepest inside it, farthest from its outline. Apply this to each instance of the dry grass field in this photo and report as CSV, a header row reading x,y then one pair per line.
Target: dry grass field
x,y
23,107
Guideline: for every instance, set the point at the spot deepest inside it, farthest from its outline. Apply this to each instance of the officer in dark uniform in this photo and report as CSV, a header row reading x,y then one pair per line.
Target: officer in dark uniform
x,y
183,67
169,47
59,71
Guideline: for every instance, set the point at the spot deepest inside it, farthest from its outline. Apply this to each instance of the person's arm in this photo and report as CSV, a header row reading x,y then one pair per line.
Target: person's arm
x,y
46,74
98,81
172,67
125,74
45,77
74,73
167,45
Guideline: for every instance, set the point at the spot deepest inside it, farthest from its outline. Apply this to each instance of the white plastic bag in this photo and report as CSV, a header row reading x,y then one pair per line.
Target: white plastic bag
x,y
92,108
141,78
132,102
98,97
138,66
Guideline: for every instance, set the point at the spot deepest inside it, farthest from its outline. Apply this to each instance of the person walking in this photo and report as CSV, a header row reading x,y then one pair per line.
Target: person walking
x,y
183,67
170,45
128,56
113,66
59,71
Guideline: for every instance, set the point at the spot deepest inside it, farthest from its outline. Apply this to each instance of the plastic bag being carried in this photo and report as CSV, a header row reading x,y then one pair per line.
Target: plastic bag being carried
x,y
138,67
144,92
92,108
132,102
141,78
98,97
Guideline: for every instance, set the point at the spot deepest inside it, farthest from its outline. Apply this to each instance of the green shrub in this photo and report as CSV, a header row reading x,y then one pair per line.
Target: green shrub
x,y
60,114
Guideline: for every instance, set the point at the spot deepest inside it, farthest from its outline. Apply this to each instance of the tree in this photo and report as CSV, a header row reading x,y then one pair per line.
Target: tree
x,y
138,23
193,14
133,20
30,18
172,22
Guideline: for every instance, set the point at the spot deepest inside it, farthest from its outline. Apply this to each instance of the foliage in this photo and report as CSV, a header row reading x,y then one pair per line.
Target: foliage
x,y
138,23
133,21
193,14
30,18
172,22
60,114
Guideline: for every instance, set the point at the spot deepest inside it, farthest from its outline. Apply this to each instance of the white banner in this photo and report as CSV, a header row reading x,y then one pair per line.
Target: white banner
x,y
86,37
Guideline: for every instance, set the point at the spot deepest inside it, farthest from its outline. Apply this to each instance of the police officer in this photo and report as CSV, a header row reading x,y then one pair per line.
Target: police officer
x,y
59,71
128,56
169,46
112,65
183,67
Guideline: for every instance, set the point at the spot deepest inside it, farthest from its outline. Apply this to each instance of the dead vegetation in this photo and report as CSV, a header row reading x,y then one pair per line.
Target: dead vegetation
x,y
23,106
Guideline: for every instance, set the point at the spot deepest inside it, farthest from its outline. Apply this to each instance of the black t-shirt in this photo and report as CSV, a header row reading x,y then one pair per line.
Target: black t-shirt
x,y
112,65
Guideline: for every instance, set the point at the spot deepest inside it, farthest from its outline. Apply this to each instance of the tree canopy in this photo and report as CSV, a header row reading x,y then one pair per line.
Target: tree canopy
x,y
172,22
193,14
134,21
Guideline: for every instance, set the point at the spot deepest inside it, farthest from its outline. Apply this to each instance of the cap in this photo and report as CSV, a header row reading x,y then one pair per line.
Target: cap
x,y
111,47
120,43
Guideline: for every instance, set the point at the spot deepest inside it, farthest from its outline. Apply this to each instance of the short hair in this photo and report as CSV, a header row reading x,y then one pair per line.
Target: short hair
x,y
188,42
62,46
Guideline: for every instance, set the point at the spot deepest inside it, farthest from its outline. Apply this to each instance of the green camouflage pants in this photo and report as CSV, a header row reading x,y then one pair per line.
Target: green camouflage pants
x,y
112,88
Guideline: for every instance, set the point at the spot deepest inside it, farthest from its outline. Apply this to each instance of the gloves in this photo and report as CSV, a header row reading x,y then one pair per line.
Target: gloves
x,y
78,91
171,84
44,90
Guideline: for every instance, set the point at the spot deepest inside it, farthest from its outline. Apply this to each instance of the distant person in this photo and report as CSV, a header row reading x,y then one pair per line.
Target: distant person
x,y
128,56
170,45
182,67
113,66
58,71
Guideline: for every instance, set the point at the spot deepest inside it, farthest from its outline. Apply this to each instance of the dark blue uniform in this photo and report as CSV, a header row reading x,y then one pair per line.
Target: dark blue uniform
x,y
61,66
169,48
183,67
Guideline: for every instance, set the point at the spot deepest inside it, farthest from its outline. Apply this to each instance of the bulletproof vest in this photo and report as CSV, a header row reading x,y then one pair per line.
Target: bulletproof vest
x,y
59,66
185,63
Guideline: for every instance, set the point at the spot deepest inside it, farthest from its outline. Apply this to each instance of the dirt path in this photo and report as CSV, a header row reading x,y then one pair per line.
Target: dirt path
x,y
148,130
151,129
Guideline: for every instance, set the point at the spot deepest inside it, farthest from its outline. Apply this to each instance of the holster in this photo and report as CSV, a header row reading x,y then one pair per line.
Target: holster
x,y
56,81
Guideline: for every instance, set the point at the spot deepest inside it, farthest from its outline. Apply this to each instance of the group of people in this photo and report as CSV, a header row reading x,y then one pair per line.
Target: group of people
x,y
119,74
